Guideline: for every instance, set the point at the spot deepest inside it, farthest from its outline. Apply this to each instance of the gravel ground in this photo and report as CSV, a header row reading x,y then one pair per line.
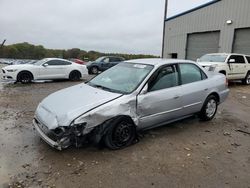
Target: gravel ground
x,y
189,153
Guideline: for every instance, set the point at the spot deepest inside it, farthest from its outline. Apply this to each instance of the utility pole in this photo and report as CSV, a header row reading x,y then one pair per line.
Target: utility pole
x,y
164,26
3,43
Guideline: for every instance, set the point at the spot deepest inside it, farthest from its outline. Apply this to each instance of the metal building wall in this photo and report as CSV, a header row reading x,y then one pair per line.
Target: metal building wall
x,y
209,18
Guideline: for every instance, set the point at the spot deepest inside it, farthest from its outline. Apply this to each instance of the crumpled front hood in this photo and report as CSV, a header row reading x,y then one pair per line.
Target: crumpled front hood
x,y
62,107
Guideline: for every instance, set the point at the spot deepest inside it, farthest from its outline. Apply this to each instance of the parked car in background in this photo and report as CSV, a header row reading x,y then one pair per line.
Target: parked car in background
x,y
78,61
132,96
234,66
45,69
103,63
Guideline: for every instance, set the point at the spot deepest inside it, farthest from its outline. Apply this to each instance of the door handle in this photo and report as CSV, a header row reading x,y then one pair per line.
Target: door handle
x,y
206,89
176,97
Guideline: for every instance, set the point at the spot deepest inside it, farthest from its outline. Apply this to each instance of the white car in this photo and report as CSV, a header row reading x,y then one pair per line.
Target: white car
x,y
234,66
45,69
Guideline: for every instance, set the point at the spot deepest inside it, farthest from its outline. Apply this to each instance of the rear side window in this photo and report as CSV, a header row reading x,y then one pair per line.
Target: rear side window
x,y
237,58
106,60
58,62
191,73
115,59
248,59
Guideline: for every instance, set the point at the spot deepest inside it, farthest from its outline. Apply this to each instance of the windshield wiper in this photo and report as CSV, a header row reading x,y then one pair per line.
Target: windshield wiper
x,y
105,88
102,87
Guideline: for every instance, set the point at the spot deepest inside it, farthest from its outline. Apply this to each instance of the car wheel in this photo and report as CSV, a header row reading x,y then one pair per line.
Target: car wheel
x,y
94,70
209,108
75,76
25,77
120,134
246,81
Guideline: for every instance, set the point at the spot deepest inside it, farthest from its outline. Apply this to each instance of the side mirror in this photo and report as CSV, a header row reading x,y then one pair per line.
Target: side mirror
x,y
231,61
45,64
144,90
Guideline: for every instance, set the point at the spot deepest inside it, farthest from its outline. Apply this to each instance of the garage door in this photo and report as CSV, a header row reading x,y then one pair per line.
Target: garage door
x,y
242,41
199,44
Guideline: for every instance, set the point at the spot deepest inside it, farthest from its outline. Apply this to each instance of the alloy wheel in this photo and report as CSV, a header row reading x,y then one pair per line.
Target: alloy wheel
x,y
211,108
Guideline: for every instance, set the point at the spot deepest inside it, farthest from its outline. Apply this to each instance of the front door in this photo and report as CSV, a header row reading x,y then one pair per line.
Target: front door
x,y
162,101
53,69
105,64
237,66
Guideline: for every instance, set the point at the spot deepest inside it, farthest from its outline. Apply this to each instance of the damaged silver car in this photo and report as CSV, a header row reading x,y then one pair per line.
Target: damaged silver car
x,y
130,97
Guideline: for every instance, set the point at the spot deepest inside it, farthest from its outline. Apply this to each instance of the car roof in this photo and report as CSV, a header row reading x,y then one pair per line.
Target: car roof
x,y
158,61
53,58
226,54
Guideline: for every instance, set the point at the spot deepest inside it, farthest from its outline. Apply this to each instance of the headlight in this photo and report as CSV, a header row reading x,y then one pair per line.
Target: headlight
x,y
77,129
12,70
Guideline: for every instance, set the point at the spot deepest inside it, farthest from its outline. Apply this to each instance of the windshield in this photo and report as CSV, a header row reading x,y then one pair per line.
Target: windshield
x,y
213,58
123,78
40,62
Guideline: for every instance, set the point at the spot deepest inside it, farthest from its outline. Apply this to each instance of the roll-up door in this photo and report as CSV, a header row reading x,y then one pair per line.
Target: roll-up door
x,y
199,44
242,41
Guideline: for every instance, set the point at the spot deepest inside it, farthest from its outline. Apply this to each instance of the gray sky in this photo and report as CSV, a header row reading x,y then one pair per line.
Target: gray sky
x,y
126,26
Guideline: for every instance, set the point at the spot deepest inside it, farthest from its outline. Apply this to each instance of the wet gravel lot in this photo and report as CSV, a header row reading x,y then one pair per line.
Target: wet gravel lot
x,y
189,153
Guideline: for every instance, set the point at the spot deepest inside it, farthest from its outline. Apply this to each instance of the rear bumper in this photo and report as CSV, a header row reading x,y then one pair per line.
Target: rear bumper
x,y
223,95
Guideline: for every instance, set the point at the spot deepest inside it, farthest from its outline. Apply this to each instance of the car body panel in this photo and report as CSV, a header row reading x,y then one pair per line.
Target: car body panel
x,y
80,99
93,106
156,107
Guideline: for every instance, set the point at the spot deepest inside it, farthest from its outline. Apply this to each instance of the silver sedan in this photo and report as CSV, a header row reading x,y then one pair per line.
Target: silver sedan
x,y
133,96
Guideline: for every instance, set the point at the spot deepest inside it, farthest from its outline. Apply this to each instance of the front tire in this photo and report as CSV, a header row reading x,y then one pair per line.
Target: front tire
x,y
246,81
24,77
209,108
120,134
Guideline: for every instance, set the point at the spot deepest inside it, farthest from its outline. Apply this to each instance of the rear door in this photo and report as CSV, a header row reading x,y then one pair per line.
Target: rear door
x,y
194,88
238,68
162,102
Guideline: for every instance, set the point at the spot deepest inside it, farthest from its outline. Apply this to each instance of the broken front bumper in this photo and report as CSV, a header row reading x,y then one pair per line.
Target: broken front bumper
x,y
48,140
72,136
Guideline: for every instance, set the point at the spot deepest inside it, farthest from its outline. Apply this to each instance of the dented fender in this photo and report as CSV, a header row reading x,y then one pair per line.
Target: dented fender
x,y
123,106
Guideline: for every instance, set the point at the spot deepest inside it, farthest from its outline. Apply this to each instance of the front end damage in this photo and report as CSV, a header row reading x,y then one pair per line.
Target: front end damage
x,y
77,122
61,137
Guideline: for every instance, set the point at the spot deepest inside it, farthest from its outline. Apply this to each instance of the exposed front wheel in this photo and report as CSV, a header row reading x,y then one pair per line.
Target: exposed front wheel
x,y
209,108
246,81
120,134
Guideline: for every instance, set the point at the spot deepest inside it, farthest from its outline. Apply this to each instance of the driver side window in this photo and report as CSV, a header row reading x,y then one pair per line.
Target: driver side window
x,y
106,60
166,77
